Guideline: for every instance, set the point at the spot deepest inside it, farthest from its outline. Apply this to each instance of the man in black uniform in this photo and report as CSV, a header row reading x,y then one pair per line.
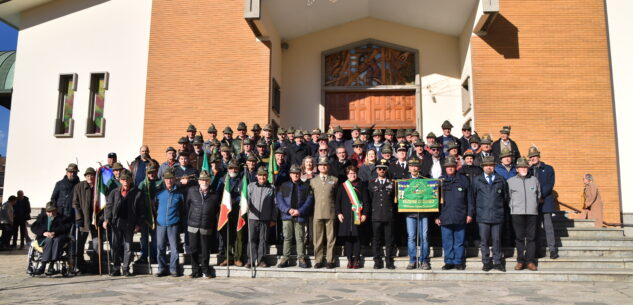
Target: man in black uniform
x,y
381,210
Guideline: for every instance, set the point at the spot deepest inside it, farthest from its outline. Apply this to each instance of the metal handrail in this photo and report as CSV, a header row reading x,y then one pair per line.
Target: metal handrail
x,y
610,224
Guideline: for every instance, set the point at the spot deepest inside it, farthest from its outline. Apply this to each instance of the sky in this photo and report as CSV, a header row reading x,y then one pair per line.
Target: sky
x,y
8,41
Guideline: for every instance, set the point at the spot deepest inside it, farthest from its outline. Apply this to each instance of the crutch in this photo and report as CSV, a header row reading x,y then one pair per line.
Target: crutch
x,y
109,249
75,268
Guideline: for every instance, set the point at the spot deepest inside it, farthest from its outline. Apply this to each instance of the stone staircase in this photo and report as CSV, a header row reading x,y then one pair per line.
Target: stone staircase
x,y
586,254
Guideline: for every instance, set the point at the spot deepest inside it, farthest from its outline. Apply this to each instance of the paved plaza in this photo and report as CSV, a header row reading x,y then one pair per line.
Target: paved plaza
x,y
16,287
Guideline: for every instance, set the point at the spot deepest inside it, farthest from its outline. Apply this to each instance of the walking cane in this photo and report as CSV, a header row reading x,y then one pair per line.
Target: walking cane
x,y
99,247
109,249
75,269
149,250
417,235
228,239
250,249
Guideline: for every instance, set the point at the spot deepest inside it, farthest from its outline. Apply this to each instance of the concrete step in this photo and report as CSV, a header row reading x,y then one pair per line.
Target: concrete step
x,y
589,232
589,241
572,223
471,274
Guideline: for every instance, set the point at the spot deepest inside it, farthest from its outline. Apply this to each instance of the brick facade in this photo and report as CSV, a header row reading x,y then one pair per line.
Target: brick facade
x,y
544,69
207,67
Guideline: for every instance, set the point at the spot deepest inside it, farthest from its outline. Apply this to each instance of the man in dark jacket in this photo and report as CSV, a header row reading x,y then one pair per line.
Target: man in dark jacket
x,y
467,135
149,187
338,166
295,202
21,215
298,150
140,163
504,142
380,210
196,158
471,171
338,140
203,205
124,212
400,168
229,233
446,137
63,192
486,150
83,203
491,196
51,232
432,166
456,211
546,178
185,173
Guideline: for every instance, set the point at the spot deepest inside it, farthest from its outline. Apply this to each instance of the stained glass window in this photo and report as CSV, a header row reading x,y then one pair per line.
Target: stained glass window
x,y
98,86
369,65
67,87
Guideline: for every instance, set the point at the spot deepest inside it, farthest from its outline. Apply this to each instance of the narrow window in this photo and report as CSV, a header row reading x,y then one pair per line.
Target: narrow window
x,y
64,121
95,124
276,97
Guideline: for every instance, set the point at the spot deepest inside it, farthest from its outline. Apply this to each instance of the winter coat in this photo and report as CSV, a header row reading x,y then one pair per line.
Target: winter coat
x,y
296,153
367,172
60,225
63,196
139,170
261,202
83,203
22,210
546,178
170,206
458,200
490,199
593,204
525,193
496,149
470,172
397,172
344,206
503,172
305,200
324,195
125,211
427,166
337,169
202,208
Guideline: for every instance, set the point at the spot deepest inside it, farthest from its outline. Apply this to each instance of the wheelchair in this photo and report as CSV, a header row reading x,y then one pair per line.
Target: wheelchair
x,y
61,266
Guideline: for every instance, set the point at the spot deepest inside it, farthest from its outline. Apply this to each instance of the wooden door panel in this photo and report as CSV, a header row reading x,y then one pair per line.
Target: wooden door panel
x,y
392,109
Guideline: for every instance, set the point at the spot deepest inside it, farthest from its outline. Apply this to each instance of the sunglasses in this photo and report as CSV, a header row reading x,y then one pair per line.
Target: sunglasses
x,y
380,169
436,149
322,149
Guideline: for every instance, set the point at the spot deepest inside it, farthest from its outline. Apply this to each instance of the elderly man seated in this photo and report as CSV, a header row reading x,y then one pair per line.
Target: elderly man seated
x,y
51,232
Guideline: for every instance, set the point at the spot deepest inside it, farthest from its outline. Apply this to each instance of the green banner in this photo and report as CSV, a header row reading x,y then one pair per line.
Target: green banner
x,y
418,195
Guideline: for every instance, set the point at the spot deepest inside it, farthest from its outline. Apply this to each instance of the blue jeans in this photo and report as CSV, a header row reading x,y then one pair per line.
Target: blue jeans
x,y
415,228
164,235
145,235
453,243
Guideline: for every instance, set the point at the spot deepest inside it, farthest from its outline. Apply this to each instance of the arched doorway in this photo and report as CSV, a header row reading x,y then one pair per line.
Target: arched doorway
x,y
370,83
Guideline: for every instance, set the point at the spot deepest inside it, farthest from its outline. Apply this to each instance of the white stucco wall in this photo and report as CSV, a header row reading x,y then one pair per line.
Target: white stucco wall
x,y
621,42
439,69
75,36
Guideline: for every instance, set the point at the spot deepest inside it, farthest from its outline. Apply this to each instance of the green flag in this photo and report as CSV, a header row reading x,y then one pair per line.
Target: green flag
x,y
273,168
205,164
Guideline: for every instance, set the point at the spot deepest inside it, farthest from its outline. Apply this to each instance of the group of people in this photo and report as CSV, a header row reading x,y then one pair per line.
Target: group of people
x,y
246,192
14,215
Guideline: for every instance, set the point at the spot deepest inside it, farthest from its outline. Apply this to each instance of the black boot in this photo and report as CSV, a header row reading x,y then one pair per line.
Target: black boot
x,y
51,269
40,270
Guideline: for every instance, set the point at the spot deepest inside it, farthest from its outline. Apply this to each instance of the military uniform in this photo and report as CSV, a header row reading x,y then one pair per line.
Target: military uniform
x,y
323,188
381,209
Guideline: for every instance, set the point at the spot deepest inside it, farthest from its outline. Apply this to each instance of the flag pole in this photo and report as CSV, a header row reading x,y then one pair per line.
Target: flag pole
x,y
99,248
228,243
250,249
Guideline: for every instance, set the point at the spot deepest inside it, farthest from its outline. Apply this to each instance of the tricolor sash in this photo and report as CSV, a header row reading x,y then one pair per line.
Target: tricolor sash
x,y
357,205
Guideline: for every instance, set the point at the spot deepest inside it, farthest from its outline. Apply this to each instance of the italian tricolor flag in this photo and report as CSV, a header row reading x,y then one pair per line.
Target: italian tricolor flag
x,y
104,174
225,207
357,205
241,221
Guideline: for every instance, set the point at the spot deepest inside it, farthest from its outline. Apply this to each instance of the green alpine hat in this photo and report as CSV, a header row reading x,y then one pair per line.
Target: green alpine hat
x,y
389,132
125,175
505,129
50,206
169,148
475,139
533,152
298,133
364,131
505,153
295,169
337,129
117,166
191,128
402,146
436,145
452,145
418,142
281,130
386,149
466,126
377,132
256,127
408,132
261,143
522,162
204,175
183,140
169,174
400,133
252,158
414,162
323,137
247,141
197,140
355,127
415,133
152,167
241,126
290,130
316,131
358,142
323,161
280,151
212,129
261,171
468,153
447,125
228,130
431,135
486,139
450,162
487,161
90,171
233,164
268,127
72,167
225,148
